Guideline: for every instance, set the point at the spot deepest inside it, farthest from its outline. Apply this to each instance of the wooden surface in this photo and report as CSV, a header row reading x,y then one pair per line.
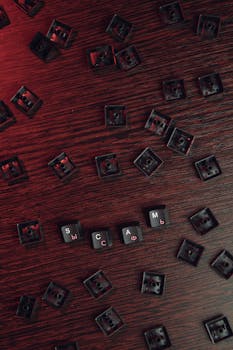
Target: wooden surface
x,y
72,120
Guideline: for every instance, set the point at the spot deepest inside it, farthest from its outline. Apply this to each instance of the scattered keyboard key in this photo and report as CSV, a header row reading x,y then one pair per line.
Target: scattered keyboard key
x,y
131,233
218,329
101,239
109,321
98,284
208,26
119,28
6,116
148,162
108,166
157,216
56,295
67,346
210,84
203,221
13,171
101,56
63,167
180,141
44,48
27,307
127,58
61,34
173,89
115,116
30,7
223,264
26,101
71,231
153,283
190,252
159,123
208,168
157,338
4,19
171,13
30,232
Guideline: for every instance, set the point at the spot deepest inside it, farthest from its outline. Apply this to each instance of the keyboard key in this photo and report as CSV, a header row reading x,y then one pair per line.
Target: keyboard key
x,y
109,321
223,264
173,89
30,7
4,19
108,166
71,231
203,221
68,346
63,167
61,34
13,171
98,284
208,168
127,58
148,162
26,101
208,26
190,252
159,123
210,84
44,48
56,295
27,307
180,141
30,232
6,116
131,233
101,239
115,116
218,329
119,28
157,338
101,57
157,216
171,13
153,283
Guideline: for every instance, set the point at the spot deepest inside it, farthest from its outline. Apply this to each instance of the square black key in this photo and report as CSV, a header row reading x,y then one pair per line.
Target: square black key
x,y
63,167
119,28
208,26
101,56
107,165
174,89
6,116
223,264
190,252
218,329
71,231
27,307
61,34
56,295
180,141
171,13
30,7
131,233
101,239
148,162
26,101
210,84
127,58
153,283
115,116
29,232
203,221
44,48
73,345
13,171
4,19
157,216
109,321
98,284
208,168
157,338
159,123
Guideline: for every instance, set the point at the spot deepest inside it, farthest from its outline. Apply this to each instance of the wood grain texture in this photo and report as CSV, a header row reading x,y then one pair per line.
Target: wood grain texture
x,y
72,120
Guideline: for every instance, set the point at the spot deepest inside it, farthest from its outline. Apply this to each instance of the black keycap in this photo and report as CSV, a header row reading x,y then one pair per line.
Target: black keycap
x,y
208,26
157,338
13,171
157,216
180,141
115,116
173,89
208,168
26,101
63,167
61,34
190,252
223,264
153,283
101,56
4,19
127,58
6,116
159,123
56,295
218,329
44,48
98,284
101,239
171,13
131,233
119,28
109,321
67,346
30,7
29,232
203,221
107,165
210,84
27,307
71,231
148,162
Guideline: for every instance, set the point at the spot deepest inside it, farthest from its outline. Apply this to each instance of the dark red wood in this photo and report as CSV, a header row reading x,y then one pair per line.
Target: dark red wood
x,y
72,120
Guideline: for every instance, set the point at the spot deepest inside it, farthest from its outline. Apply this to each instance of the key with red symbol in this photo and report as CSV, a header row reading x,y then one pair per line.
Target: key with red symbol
x,y
131,233
101,239
157,216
